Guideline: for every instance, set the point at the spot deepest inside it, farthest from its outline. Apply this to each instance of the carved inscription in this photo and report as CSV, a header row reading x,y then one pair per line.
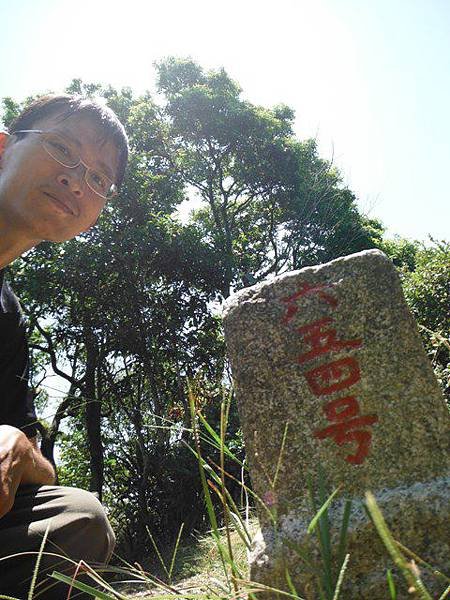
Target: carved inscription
x,y
320,339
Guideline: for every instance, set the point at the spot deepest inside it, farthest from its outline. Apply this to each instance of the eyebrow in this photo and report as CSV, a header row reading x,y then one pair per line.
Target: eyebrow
x,y
77,142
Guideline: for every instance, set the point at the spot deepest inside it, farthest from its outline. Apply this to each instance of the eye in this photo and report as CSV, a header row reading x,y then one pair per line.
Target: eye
x,y
60,150
59,147
99,180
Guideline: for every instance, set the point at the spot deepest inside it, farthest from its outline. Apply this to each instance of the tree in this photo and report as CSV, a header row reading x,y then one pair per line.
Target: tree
x,y
269,203
401,251
427,290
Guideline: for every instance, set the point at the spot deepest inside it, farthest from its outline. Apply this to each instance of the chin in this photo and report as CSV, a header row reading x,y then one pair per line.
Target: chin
x,y
61,237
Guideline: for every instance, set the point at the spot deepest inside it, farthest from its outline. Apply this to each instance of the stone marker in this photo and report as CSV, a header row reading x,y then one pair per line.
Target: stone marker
x,y
331,356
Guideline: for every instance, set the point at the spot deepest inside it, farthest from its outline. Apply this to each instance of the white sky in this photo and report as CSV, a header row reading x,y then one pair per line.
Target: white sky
x,y
369,78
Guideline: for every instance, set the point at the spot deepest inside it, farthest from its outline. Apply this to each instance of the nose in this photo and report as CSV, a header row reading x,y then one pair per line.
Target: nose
x,y
72,181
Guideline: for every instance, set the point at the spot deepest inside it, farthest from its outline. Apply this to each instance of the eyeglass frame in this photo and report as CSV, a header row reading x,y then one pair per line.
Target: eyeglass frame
x,y
114,192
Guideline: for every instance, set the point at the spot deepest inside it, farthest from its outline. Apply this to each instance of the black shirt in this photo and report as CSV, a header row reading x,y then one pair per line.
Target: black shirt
x,y
16,401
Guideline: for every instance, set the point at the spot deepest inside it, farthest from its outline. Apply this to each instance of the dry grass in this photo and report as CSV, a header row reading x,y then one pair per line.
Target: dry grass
x,y
199,567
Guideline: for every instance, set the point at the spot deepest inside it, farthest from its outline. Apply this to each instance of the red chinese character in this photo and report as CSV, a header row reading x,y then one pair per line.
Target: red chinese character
x,y
322,340
343,413
333,376
305,289
347,431
341,409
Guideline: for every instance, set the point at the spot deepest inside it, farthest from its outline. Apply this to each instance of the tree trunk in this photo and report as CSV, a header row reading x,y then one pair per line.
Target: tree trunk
x,y
49,434
93,416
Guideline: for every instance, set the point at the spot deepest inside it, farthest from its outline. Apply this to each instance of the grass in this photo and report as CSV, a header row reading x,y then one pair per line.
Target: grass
x,y
215,567
201,560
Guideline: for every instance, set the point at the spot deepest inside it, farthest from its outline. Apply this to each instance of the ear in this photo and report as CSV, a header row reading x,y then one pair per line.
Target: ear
x,y
4,137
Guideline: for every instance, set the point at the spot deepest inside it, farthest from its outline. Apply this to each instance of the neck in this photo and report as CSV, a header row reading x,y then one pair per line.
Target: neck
x,y
13,242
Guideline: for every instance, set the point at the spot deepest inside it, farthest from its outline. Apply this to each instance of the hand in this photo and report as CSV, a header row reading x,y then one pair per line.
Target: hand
x,y
16,456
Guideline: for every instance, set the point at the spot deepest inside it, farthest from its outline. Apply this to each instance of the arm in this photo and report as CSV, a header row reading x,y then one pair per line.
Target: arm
x,y
39,471
21,462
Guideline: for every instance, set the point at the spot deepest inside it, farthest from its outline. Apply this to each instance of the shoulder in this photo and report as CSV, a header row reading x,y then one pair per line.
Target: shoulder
x,y
9,302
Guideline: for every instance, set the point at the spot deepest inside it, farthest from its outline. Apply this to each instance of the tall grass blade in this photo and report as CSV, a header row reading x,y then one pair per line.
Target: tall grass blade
x,y
206,493
174,554
260,587
229,497
315,520
303,555
341,577
412,578
38,562
241,529
290,583
158,553
226,510
209,504
102,596
84,587
215,441
280,455
391,585
320,577
445,594
325,535
342,547
227,556
423,562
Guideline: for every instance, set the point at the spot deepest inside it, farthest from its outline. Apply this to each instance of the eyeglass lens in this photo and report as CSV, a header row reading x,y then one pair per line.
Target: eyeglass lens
x,y
59,149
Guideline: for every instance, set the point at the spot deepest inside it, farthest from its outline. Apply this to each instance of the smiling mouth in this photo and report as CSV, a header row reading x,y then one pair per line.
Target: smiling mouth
x,y
59,204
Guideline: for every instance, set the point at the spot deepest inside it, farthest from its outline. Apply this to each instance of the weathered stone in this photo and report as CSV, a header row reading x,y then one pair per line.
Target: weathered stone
x,y
332,353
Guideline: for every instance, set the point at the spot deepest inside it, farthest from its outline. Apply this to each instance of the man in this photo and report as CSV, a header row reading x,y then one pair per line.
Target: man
x,y
64,158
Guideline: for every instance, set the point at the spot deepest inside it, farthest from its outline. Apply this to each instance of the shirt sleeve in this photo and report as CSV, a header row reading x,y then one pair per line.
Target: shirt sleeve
x,y
16,400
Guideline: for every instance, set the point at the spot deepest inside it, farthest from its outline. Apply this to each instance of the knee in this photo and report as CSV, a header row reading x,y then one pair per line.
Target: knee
x,y
86,527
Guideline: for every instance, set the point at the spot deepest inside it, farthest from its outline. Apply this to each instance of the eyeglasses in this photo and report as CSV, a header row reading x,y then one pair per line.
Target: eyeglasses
x,y
61,150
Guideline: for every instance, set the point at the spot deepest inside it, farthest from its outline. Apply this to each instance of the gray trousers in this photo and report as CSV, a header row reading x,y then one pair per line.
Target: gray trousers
x,y
78,530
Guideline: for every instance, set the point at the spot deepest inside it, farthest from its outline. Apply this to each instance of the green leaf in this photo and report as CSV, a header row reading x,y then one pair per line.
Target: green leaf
x,y
289,582
391,585
315,520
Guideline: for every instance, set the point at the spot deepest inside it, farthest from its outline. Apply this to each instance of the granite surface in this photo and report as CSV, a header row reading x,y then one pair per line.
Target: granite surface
x,y
330,357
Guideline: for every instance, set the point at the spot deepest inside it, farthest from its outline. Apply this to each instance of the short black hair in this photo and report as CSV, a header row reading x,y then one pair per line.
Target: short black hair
x,y
68,105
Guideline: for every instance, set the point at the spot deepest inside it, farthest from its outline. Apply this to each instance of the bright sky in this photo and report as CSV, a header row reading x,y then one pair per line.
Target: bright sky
x,y
369,78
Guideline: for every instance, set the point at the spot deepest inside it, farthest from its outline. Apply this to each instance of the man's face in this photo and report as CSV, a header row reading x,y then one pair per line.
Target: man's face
x,y
41,197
